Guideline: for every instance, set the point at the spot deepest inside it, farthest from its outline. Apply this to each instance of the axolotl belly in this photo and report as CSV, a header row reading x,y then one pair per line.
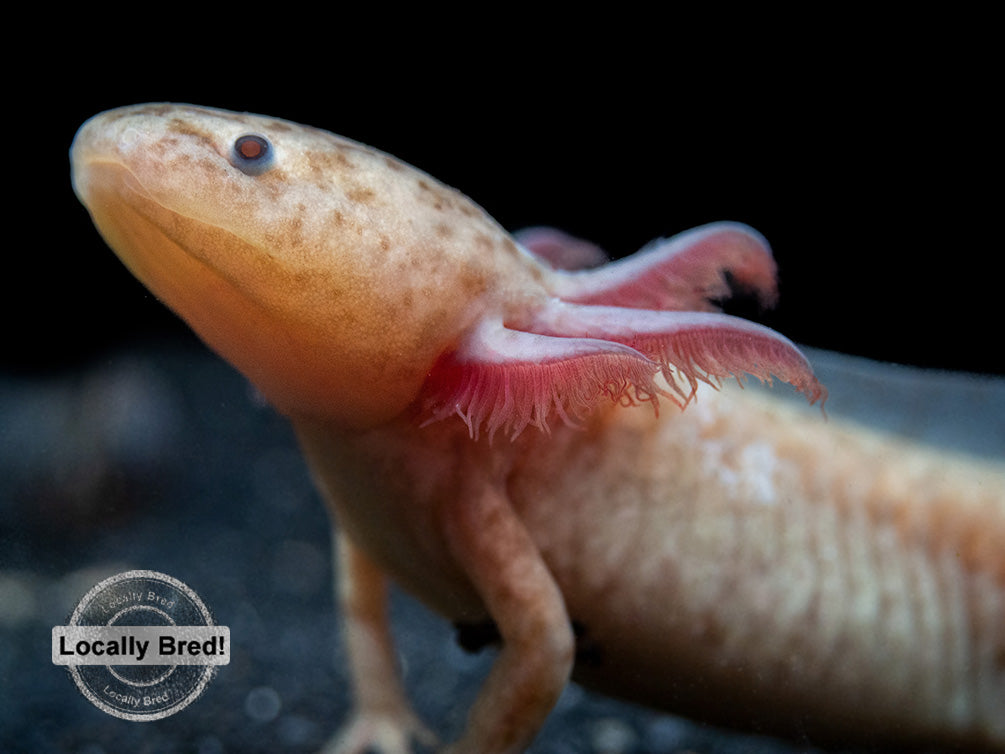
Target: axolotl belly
x,y
556,456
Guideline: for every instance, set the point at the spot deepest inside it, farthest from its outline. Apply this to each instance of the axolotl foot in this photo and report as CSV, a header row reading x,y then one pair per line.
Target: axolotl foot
x,y
384,732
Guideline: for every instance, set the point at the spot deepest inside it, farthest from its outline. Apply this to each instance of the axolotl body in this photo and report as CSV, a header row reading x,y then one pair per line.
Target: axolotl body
x,y
500,437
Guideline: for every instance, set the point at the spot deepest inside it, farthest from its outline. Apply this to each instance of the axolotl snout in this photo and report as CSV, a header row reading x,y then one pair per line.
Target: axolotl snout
x,y
499,436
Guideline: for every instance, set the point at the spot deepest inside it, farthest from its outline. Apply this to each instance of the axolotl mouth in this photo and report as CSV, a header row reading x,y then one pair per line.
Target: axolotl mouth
x,y
151,240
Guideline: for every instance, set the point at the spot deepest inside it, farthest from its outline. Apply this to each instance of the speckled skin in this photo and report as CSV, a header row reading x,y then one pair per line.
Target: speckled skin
x,y
738,562
742,562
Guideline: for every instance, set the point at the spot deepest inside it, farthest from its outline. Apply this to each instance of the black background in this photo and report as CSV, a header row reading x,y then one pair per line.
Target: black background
x,y
865,157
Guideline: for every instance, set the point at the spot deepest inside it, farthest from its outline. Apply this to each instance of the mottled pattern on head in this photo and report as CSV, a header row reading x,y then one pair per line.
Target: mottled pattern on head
x,y
343,255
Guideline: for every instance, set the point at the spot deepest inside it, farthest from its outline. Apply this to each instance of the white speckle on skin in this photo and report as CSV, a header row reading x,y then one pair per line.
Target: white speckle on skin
x,y
759,465
747,473
129,137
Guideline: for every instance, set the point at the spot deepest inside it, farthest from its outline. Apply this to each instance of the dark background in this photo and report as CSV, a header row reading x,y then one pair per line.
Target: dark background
x,y
865,157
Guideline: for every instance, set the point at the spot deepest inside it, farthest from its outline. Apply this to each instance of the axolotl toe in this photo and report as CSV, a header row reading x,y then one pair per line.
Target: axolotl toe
x,y
554,452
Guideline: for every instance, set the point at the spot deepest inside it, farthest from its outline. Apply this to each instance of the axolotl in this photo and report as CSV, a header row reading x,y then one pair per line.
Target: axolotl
x,y
556,455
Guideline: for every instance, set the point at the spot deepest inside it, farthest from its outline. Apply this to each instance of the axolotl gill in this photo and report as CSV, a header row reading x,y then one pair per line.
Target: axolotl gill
x,y
499,436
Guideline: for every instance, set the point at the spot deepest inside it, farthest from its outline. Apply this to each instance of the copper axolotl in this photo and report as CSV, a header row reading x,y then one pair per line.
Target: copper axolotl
x,y
499,436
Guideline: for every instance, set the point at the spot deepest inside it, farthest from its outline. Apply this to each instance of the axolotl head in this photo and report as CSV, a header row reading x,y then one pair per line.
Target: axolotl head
x,y
331,274
350,287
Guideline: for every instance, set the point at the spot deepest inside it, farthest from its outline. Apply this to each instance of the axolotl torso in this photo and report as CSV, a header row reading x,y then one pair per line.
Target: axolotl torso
x,y
499,437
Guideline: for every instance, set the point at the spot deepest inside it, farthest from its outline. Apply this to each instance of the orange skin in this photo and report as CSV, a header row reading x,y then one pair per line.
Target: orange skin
x,y
739,561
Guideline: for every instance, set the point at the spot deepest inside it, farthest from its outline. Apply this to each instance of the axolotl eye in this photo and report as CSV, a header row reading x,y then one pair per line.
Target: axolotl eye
x,y
252,154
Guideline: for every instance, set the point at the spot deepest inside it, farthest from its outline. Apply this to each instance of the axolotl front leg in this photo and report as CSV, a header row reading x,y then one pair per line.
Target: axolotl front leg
x,y
382,719
490,544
